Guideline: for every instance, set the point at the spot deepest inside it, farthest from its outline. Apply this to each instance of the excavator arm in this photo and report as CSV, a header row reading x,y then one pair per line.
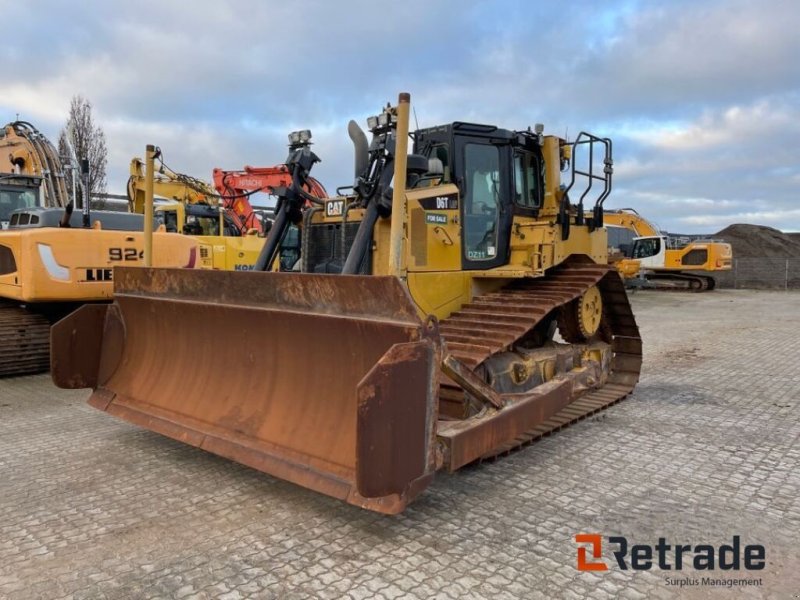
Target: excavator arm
x,y
168,184
236,187
26,151
630,219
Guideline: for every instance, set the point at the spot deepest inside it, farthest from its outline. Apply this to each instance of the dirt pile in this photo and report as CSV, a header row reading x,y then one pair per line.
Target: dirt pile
x,y
758,241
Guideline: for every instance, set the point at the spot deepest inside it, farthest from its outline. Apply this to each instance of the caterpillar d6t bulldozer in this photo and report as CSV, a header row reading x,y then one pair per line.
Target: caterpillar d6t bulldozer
x,y
421,334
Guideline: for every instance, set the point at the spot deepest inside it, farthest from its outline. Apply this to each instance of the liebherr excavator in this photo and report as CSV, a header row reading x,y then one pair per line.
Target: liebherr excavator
x,y
52,259
419,337
656,260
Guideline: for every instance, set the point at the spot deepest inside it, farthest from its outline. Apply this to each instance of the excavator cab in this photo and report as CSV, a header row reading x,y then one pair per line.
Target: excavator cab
x,y
18,192
419,336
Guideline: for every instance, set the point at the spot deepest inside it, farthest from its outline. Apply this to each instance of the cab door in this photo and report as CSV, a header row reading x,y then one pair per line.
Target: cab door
x,y
485,182
651,251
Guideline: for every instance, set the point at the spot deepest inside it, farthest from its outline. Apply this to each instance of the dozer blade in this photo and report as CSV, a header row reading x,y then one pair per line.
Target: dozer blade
x,y
328,381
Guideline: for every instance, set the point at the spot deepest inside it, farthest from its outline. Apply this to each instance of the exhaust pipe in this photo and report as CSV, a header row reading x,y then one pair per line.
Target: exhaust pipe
x,y
361,147
396,169
87,193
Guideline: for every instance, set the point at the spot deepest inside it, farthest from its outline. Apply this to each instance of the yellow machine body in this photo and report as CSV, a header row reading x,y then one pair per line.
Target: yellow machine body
x,y
196,211
419,335
77,265
49,262
215,251
662,260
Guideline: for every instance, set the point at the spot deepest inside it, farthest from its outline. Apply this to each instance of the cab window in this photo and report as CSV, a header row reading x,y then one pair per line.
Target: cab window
x,y
196,225
621,239
481,201
646,248
442,152
527,180
11,199
290,248
169,219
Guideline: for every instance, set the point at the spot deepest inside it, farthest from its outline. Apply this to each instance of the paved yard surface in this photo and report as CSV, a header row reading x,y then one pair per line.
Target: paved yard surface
x,y
707,448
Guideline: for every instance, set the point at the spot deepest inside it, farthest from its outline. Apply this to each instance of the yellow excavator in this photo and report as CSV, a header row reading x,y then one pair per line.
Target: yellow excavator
x,y
195,209
52,259
419,336
652,259
42,179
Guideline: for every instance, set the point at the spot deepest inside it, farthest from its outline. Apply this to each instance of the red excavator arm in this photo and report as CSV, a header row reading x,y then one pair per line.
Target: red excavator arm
x,y
236,187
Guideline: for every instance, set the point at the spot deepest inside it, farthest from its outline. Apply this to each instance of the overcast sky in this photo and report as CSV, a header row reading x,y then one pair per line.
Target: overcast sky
x,y
701,98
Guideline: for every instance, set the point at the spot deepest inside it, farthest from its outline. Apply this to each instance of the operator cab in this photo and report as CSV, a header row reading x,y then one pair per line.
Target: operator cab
x,y
651,250
199,219
499,174
18,192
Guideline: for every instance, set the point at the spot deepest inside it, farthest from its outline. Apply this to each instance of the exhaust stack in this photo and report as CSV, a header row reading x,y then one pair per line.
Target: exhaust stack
x,y
361,147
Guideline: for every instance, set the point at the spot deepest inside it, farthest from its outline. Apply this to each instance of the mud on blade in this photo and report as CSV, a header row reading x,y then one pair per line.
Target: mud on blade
x,y
328,381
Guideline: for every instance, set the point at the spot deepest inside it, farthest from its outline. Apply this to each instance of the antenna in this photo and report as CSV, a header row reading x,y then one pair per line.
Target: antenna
x,y
416,123
566,134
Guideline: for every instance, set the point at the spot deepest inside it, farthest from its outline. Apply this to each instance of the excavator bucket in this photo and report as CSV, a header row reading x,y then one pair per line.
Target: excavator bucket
x,y
328,381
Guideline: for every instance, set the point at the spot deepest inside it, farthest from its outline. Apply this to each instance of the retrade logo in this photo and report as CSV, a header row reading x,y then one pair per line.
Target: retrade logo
x,y
667,556
596,543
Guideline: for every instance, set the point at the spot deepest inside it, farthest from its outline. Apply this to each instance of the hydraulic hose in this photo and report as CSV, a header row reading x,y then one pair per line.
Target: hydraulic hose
x,y
278,230
363,239
272,244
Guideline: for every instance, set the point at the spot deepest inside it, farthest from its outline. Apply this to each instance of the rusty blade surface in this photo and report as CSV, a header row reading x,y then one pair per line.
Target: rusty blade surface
x,y
76,346
267,369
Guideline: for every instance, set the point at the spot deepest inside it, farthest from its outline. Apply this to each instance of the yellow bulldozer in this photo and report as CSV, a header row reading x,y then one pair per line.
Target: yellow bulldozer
x,y
453,305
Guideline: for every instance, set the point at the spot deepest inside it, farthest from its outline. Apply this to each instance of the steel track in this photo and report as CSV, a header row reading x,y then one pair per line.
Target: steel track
x,y
494,322
24,341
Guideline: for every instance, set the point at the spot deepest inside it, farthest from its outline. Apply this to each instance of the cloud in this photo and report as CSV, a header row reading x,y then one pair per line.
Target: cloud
x,y
670,59
720,128
730,163
701,98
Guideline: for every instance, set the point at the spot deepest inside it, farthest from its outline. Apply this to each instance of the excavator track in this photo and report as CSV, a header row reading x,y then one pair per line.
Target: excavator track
x,y
494,322
681,282
24,341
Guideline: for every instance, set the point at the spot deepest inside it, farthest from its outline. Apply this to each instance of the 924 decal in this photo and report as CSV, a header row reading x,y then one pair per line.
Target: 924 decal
x,y
125,254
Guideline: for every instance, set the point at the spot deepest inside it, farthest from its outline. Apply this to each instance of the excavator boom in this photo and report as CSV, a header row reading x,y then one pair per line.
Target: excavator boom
x,y
26,151
237,187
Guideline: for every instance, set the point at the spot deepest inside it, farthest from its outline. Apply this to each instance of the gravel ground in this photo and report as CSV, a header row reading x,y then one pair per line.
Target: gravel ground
x,y
705,449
